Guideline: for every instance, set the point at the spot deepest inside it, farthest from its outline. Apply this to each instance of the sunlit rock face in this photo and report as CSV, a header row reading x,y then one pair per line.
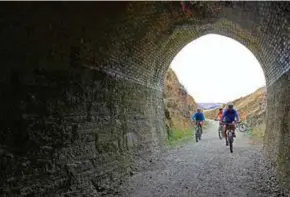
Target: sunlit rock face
x,y
179,105
82,86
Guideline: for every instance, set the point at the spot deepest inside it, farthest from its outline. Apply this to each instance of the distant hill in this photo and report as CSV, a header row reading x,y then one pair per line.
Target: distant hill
x,y
208,106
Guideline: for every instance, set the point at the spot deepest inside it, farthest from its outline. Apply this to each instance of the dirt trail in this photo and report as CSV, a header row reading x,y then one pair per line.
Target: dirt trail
x,y
206,169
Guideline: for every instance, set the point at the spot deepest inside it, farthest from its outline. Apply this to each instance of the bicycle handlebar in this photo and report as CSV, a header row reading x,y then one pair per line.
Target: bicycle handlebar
x,y
196,121
223,121
229,123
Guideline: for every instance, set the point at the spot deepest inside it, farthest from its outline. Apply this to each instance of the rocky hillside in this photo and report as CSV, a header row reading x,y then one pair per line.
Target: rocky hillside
x,y
250,107
178,104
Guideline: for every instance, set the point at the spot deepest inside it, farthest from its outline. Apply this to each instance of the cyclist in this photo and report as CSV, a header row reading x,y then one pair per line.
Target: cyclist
x,y
220,114
219,117
230,115
198,116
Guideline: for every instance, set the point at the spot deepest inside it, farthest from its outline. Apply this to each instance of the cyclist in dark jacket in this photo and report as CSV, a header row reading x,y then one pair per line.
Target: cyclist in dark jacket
x,y
229,116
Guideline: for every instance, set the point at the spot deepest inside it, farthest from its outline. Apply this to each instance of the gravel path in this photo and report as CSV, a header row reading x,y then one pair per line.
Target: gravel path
x,y
206,169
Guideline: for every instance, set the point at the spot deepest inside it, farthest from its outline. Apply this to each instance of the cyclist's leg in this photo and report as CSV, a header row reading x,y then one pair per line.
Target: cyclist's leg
x,y
225,130
234,128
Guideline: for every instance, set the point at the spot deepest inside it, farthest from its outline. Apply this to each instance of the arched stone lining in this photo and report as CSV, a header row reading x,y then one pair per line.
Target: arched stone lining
x,y
81,86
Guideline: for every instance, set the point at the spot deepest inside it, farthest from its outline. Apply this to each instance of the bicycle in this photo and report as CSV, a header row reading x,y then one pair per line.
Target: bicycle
x,y
220,130
229,135
242,126
198,131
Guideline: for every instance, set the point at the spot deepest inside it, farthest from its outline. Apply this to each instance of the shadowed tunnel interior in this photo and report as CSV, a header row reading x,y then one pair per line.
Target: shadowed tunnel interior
x,y
82,83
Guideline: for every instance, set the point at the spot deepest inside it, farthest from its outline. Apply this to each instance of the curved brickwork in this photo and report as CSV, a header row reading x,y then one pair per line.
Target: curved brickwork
x,y
81,86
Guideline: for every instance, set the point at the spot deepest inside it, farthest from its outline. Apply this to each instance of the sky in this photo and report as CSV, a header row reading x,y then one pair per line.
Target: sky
x,y
216,68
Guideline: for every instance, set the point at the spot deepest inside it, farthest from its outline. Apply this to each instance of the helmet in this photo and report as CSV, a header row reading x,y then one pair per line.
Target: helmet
x,y
230,105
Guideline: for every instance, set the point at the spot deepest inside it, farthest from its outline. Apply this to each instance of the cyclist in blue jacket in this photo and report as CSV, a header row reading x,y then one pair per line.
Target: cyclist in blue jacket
x,y
229,116
198,117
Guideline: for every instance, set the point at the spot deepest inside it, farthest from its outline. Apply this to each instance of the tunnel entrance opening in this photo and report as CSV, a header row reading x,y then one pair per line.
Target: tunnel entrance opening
x,y
215,70
249,35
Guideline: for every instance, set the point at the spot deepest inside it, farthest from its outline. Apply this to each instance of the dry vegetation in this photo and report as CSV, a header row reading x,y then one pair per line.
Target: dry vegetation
x,y
250,105
179,106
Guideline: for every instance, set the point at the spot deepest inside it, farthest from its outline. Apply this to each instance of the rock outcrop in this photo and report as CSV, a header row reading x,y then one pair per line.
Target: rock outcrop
x,y
179,105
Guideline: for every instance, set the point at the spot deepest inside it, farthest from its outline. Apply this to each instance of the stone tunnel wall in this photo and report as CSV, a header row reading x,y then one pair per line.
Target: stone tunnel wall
x,y
81,86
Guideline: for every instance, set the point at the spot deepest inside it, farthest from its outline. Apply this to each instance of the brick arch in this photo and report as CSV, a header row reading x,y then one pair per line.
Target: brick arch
x,y
118,53
175,43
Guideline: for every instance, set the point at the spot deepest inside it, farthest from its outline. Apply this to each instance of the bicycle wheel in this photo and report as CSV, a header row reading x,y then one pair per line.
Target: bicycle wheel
x,y
197,135
242,127
231,147
231,139
220,133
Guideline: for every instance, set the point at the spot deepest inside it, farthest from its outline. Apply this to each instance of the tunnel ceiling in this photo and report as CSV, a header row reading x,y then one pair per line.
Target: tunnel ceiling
x,y
162,29
137,41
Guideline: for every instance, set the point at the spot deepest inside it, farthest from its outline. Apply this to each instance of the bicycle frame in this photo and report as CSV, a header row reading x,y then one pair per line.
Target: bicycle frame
x,y
198,124
229,135
230,125
198,131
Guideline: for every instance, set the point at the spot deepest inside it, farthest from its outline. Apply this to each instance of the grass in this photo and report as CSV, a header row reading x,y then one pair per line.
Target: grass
x,y
177,136
180,136
257,133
